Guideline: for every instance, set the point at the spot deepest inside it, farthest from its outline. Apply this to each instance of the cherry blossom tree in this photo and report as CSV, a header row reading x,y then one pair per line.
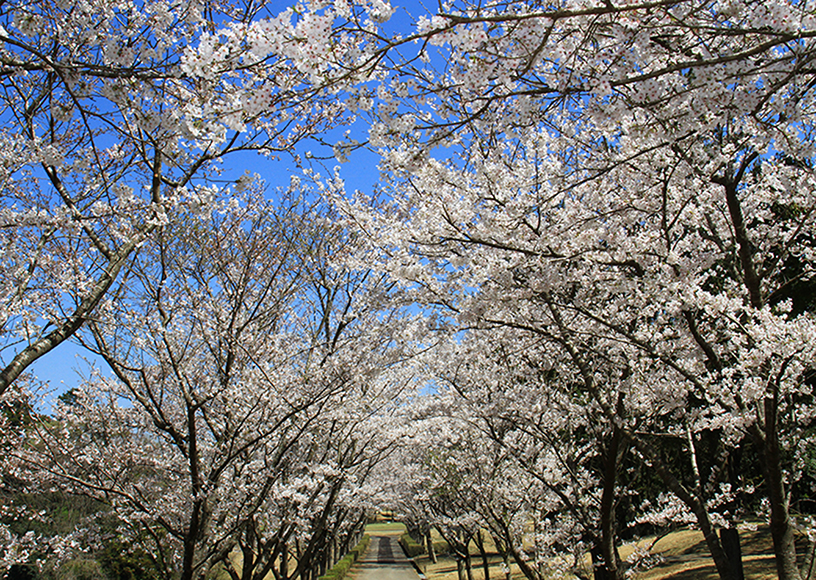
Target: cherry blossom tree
x,y
115,115
628,187
248,391
650,207
596,280
523,448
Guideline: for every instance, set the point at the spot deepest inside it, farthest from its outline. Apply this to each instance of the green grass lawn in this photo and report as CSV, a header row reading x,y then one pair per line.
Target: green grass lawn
x,y
385,527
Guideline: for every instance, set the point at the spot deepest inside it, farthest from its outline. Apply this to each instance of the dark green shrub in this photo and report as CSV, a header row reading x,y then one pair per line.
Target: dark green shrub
x,y
21,572
410,546
121,561
358,550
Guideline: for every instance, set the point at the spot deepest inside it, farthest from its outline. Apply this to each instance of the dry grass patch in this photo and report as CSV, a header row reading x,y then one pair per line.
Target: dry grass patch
x,y
686,556
445,568
684,552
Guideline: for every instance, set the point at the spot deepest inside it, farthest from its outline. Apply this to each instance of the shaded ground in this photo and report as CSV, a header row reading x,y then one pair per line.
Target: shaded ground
x,y
686,556
684,552
384,559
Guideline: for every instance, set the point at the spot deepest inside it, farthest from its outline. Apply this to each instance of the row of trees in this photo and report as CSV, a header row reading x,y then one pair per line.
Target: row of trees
x,y
592,239
240,396
243,410
620,249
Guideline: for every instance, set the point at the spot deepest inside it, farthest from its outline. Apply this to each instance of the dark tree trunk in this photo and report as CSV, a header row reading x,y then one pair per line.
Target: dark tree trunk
x,y
782,531
284,561
197,521
485,563
609,560
731,544
599,569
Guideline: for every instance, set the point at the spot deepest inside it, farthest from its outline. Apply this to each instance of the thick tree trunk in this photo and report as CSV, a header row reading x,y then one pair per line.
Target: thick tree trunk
x,y
782,530
731,544
610,561
247,555
599,569
197,522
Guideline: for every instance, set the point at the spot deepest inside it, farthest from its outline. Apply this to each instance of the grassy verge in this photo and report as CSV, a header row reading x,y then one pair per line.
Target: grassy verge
x,y
339,570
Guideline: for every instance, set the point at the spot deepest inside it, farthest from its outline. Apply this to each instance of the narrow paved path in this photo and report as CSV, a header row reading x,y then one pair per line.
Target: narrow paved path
x,y
384,560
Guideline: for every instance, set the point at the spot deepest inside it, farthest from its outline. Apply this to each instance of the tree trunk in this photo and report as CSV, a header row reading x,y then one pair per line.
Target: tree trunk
x,y
485,563
809,569
610,561
460,567
196,524
600,571
782,531
284,561
323,561
247,563
731,544
429,547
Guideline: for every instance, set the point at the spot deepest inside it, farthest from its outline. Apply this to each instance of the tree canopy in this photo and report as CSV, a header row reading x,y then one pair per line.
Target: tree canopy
x,y
576,305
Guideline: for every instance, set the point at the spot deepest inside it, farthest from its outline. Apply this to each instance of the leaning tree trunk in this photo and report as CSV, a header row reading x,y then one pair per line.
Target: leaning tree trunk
x,y
429,546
